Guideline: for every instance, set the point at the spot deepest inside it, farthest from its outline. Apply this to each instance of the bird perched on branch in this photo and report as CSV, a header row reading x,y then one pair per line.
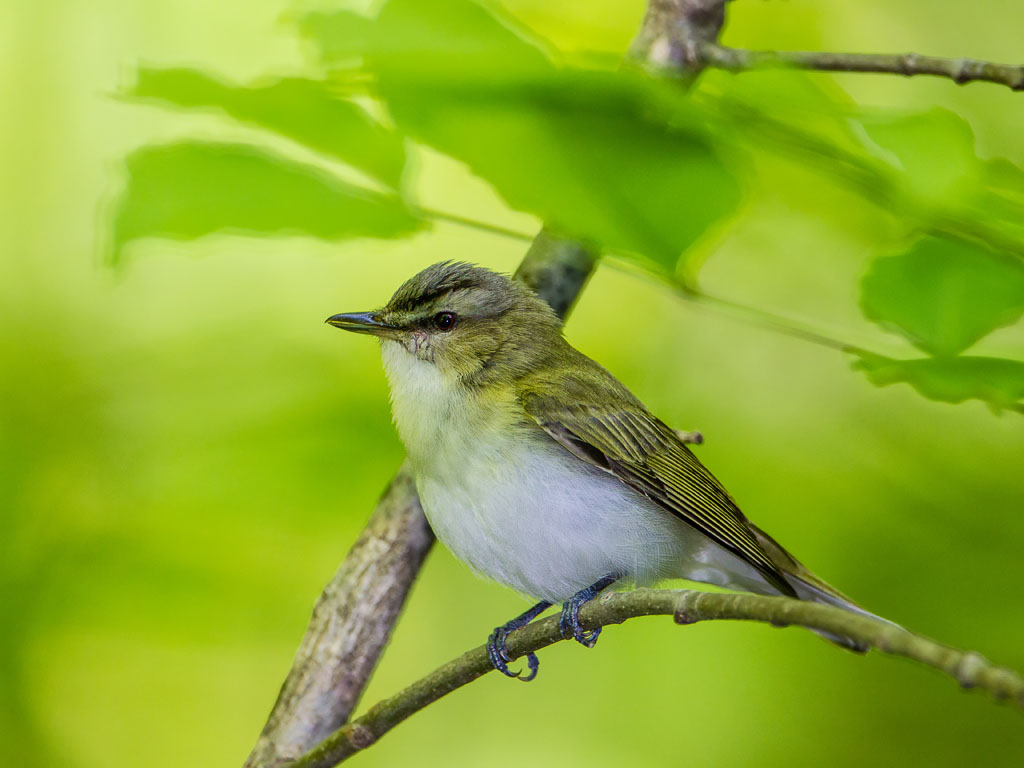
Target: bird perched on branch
x,y
537,468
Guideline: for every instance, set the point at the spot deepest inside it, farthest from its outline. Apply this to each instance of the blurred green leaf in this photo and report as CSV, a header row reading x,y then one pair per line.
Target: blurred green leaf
x,y
1000,199
190,189
306,111
340,36
601,156
809,105
453,44
922,170
934,150
1005,181
998,382
943,294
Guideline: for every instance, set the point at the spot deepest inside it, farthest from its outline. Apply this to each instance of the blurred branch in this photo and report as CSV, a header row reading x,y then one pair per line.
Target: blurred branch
x,y
960,71
557,269
350,626
674,32
688,607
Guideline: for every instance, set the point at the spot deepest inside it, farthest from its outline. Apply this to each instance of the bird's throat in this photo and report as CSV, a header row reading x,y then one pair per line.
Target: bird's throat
x,y
438,418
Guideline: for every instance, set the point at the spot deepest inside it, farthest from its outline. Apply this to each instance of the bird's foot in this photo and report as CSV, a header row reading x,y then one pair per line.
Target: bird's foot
x,y
569,624
569,621
499,655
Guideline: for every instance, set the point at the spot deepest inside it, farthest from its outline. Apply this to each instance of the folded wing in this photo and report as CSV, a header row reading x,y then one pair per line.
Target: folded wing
x,y
607,427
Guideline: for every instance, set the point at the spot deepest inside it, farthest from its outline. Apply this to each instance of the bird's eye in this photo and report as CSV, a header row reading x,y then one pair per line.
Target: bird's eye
x,y
444,321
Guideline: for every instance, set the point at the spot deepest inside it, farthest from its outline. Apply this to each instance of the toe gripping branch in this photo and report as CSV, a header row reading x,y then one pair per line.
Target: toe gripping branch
x,y
569,621
496,644
568,625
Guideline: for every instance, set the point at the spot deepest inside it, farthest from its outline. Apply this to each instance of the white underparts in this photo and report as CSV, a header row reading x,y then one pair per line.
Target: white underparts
x,y
520,509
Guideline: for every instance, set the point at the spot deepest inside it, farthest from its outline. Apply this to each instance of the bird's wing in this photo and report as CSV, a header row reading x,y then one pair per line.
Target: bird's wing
x,y
646,455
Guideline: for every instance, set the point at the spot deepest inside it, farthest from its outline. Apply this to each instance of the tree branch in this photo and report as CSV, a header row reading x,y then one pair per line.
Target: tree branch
x,y
960,71
674,33
969,669
351,624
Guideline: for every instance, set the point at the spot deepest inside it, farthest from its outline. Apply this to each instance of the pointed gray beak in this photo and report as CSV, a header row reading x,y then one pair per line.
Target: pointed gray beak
x,y
359,322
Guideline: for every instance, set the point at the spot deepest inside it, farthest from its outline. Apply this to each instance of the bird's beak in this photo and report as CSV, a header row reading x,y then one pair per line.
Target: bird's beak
x,y
359,322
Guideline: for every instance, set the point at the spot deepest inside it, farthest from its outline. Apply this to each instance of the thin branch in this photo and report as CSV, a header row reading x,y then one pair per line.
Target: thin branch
x,y
960,71
465,221
968,668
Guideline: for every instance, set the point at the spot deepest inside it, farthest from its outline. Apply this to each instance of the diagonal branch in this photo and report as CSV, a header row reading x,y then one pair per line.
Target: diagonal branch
x,y
960,71
969,669
350,626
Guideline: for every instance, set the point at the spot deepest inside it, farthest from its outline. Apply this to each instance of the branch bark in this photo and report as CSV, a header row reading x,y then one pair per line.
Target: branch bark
x,y
970,669
674,33
351,624
960,71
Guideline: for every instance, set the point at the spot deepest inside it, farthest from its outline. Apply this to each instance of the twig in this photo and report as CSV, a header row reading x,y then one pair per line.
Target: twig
x,y
465,221
688,607
960,71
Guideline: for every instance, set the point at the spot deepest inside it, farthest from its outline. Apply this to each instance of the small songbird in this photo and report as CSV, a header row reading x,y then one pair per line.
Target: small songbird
x,y
538,469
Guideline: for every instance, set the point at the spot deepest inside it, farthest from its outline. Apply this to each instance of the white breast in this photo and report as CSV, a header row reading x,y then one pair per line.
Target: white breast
x,y
517,507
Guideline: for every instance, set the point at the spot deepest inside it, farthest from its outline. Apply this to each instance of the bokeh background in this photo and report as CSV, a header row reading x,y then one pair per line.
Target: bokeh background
x,y
186,451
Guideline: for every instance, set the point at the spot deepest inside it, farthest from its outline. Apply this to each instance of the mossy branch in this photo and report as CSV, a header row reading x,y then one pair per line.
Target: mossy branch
x,y
968,668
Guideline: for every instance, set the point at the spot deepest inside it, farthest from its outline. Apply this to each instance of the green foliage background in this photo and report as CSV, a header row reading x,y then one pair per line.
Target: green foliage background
x,y
186,451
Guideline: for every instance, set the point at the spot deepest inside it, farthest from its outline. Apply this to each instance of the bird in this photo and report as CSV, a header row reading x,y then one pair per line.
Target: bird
x,y
538,469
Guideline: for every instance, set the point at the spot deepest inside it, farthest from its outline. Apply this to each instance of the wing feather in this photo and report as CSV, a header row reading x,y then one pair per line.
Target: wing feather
x,y
645,454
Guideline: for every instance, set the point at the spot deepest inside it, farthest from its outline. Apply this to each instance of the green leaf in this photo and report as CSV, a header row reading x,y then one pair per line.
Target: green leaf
x,y
808,104
305,111
340,36
453,43
190,189
1001,198
943,294
934,150
600,156
998,382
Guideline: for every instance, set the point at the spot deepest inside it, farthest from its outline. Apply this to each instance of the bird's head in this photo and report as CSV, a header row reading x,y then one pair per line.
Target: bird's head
x,y
470,322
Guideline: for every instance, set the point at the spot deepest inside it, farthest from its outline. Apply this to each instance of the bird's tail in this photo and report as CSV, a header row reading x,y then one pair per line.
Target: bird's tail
x,y
810,587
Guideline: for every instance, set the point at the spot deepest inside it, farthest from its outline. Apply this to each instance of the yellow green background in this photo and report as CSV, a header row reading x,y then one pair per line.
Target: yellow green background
x,y
186,451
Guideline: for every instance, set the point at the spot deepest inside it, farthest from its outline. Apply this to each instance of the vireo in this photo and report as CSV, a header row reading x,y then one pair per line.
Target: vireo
x,y
537,468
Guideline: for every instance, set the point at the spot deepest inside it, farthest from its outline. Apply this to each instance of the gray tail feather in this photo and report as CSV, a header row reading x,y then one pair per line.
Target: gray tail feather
x,y
809,587
809,592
